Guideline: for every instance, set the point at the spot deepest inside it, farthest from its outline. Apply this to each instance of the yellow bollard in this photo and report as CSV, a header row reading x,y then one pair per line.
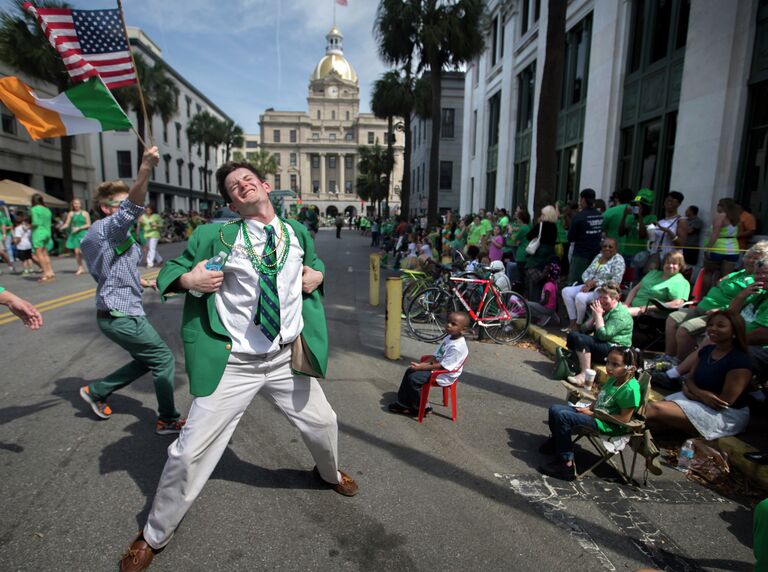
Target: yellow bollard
x,y
373,296
392,320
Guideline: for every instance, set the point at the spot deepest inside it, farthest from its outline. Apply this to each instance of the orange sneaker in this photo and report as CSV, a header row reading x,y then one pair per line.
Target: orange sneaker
x,y
99,406
169,427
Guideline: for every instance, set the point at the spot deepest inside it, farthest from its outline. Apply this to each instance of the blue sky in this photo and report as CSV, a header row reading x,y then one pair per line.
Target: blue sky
x,y
248,55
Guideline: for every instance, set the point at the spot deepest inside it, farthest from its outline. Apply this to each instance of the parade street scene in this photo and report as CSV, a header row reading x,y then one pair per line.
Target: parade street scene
x,y
384,285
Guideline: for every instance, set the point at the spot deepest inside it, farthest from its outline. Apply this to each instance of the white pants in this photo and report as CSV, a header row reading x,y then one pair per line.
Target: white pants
x,y
212,421
153,257
576,302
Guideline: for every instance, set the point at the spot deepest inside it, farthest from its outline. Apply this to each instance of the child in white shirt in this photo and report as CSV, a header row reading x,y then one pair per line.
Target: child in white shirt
x,y
22,238
450,355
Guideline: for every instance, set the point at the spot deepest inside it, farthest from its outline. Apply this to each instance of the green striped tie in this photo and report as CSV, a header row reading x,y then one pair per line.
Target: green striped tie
x,y
268,315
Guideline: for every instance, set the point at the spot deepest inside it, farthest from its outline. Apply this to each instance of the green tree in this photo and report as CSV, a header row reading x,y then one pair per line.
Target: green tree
x,y
437,34
231,136
549,107
161,97
263,161
204,129
393,97
371,184
24,47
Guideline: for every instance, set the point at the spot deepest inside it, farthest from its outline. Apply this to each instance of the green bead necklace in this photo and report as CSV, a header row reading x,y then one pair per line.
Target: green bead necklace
x,y
258,260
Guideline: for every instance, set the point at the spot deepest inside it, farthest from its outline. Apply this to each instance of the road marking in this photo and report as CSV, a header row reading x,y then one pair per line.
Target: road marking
x,y
8,317
616,502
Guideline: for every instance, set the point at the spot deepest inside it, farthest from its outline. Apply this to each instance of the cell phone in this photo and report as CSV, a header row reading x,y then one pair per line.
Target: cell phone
x,y
636,209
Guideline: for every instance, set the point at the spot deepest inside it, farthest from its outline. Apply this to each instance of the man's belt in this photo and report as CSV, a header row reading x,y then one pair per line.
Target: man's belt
x,y
110,314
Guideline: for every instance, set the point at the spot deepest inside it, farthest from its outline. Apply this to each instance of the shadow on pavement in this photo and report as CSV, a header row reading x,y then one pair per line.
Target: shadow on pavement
x,y
8,414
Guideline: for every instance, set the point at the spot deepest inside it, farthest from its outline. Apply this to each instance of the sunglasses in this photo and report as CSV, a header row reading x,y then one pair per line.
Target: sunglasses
x,y
114,203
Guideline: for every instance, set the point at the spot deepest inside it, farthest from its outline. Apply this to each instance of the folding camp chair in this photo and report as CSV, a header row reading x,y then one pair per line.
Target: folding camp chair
x,y
606,446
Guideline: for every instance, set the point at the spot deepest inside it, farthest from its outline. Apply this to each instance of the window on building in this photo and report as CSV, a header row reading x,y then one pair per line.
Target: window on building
x,y
332,162
198,108
447,122
293,159
332,136
446,175
276,135
347,115
167,161
333,114
494,41
657,30
180,173
474,132
191,168
178,135
536,10
315,161
189,107
371,138
349,162
9,121
251,144
349,136
526,83
315,136
348,187
278,182
525,17
124,167
292,135
316,186
332,187
318,114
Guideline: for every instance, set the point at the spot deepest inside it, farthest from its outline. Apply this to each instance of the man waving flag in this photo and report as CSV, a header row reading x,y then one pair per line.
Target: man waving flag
x,y
91,42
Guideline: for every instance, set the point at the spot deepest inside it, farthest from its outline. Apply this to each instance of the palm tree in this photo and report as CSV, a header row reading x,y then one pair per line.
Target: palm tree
x,y
231,136
440,34
549,107
263,161
161,97
393,97
204,129
24,47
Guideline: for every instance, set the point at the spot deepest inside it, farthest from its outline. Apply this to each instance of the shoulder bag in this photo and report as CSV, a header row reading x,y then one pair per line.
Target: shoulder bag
x,y
533,246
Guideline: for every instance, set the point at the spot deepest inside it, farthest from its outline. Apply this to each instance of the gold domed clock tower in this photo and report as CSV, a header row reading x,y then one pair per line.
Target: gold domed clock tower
x,y
317,150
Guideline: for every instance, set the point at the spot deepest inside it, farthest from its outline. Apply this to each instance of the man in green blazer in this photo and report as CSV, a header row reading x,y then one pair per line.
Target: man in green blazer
x,y
256,324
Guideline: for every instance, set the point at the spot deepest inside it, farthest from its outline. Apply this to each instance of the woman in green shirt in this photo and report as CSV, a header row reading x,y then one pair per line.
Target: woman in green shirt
x,y
41,234
619,398
668,286
77,223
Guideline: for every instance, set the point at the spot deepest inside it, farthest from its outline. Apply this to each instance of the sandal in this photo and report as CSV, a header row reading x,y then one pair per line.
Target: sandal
x,y
397,408
46,278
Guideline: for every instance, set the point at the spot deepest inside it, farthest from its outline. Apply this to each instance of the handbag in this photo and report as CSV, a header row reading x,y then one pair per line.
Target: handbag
x,y
533,246
301,360
565,363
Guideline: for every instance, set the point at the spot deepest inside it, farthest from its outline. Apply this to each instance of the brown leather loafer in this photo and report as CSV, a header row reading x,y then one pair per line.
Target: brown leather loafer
x,y
347,487
138,557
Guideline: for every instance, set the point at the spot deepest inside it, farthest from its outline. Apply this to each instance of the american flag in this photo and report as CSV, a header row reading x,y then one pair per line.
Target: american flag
x,y
91,43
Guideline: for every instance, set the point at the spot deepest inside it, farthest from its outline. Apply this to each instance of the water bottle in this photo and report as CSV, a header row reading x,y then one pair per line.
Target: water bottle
x,y
684,456
216,263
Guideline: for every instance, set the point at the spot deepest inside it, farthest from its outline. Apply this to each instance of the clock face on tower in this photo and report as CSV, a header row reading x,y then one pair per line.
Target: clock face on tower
x,y
333,91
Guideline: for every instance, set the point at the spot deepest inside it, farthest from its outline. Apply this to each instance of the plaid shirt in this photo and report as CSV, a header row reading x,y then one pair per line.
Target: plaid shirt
x,y
119,287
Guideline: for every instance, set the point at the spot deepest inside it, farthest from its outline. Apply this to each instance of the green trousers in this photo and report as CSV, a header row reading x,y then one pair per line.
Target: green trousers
x,y
760,537
578,266
150,354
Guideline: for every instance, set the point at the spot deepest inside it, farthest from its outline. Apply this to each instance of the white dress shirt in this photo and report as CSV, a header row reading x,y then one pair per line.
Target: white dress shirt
x,y
238,298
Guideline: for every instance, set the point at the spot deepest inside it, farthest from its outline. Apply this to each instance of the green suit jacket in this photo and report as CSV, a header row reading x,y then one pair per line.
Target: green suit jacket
x,y
207,343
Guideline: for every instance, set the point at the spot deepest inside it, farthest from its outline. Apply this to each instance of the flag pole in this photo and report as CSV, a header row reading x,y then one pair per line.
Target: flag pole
x,y
138,80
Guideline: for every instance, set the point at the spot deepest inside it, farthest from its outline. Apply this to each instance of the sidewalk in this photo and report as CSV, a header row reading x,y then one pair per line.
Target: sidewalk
x,y
735,446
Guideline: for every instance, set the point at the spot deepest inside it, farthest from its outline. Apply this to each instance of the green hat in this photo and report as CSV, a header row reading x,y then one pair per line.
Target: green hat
x,y
644,196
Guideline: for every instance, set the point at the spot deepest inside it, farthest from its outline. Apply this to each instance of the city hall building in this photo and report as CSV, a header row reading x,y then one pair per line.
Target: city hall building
x,y
665,94
317,150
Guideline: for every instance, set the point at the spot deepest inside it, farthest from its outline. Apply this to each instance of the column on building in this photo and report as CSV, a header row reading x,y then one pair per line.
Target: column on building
x,y
340,166
322,174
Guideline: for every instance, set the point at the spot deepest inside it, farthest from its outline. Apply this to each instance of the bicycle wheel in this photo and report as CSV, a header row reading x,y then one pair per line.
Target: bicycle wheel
x,y
410,291
510,326
428,313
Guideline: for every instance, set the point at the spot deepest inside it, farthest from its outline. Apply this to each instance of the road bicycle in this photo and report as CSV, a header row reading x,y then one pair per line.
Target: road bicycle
x,y
503,315
437,275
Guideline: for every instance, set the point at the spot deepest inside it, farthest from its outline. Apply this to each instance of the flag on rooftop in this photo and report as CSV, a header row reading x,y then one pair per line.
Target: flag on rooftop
x,y
91,42
86,108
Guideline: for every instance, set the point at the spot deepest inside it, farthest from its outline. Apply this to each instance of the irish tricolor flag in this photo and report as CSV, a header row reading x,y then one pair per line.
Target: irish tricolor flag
x,y
86,108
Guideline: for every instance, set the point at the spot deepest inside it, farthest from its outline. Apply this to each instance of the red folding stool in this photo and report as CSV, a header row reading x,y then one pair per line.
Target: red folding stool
x,y
446,389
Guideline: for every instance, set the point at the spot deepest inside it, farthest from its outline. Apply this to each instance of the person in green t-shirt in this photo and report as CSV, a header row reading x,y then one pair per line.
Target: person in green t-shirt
x,y
476,231
668,286
619,398
516,269
684,326
613,217
151,225
6,240
77,224
42,218
633,228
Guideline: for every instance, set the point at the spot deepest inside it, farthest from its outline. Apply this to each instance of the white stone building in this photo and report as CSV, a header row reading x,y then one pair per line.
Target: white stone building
x,y
38,163
317,149
177,182
666,94
451,133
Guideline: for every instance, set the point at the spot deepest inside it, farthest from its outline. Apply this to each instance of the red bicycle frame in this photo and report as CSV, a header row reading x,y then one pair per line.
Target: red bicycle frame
x,y
488,286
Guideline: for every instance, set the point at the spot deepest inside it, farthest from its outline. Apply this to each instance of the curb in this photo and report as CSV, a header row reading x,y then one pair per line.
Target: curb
x,y
733,446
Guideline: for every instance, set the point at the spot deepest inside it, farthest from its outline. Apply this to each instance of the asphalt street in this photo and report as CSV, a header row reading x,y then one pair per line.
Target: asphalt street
x,y
436,496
